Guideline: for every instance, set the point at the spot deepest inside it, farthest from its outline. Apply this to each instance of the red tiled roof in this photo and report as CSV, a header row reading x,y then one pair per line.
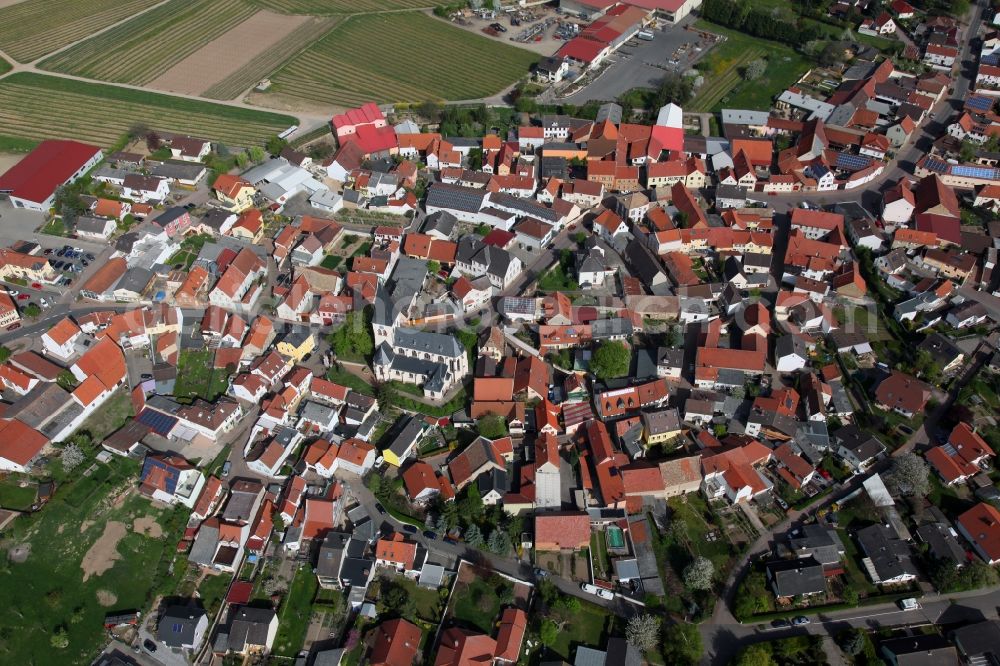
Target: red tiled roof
x,y
982,524
45,168
557,531
20,443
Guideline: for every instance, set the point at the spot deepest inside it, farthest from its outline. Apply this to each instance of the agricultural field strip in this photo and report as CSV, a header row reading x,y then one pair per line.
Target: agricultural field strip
x,y
31,109
34,28
321,7
716,89
433,50
263,64
139,50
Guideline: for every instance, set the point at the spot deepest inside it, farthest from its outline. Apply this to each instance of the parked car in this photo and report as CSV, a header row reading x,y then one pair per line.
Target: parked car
x,y
149,645
90,257
412,529
380,508
61,253
36,285
43,302
605,594
24,297
450,541
228,465
540,572
588,588
780,624
48,251
800,620
429,534
13,292
13,327
59,264
144,376
908,604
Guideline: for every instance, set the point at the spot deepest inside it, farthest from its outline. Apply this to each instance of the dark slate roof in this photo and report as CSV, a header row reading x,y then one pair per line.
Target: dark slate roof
x,y
424,341
178,624
442,222
889,555
456,197
411,431
796,576
249,627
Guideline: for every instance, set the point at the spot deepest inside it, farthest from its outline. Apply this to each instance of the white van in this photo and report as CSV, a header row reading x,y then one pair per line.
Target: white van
x,y
909,604
588,588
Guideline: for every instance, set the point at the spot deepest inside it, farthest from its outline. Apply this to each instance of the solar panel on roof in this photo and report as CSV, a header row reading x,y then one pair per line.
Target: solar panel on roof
x,y
979,103
934,164
852,162
158,422
983,173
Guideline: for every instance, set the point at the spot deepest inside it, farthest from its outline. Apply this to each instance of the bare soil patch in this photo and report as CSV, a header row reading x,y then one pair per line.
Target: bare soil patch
x,y
106,598
147,526
86,525
19,553
228,53
104,553
7,160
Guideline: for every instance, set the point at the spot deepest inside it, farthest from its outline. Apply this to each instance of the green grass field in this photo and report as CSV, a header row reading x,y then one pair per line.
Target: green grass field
x,y
293,615
139,50
402,57
5,66
196,378
48,591
260,66
109,417
13,496
320,7
588,627
724,84
35,107
34,28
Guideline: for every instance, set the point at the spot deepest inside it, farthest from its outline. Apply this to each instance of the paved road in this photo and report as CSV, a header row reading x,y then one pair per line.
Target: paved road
x,y
445,553
935,609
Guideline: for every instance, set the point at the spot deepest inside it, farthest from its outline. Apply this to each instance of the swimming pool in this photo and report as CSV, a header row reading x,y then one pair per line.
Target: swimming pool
x,y
616,538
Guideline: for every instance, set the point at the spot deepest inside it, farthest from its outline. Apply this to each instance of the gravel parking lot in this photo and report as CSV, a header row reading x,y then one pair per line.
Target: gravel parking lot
x,y
642,64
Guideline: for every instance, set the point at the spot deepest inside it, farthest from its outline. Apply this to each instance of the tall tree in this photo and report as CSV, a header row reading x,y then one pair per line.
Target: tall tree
x,y
610,360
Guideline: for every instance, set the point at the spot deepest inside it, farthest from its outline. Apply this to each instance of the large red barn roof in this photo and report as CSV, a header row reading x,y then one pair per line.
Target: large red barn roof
x,y
44,169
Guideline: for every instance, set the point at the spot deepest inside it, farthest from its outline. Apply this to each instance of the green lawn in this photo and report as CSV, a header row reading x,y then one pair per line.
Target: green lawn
x,y
55,227
293,615
350,380
36,106
48,591
427,58
13,496
599,551
724,85
196,378
558,278
478,603
212,591
588,627
331,261
109,417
